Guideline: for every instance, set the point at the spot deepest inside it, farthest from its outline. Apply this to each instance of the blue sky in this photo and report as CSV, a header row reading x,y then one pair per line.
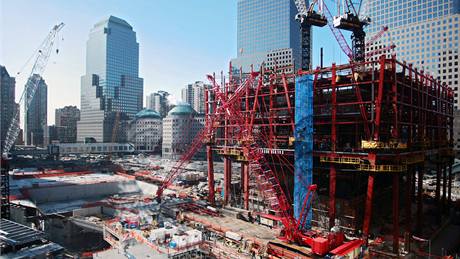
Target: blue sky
x,y
180,41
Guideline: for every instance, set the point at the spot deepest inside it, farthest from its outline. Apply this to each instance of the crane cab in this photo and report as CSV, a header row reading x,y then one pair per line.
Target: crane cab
x,y
350,22
311,18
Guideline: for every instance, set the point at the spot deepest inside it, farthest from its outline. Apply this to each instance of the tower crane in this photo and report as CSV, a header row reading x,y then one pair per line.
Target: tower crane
x,y
350,20
308,17
42,56
305,31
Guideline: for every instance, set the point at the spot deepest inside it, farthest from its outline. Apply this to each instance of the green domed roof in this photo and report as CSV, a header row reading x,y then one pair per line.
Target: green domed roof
x,y
182,109
148,113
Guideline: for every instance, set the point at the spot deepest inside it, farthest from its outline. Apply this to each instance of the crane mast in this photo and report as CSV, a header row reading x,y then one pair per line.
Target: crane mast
x,y
305,35
349,20
43,55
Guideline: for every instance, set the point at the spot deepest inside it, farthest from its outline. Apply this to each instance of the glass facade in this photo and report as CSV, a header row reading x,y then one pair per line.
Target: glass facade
x,y
7,104
263,26
36,123
425,32
111,84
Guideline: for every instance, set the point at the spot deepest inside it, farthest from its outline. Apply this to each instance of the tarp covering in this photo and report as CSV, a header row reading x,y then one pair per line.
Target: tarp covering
x,y
303,165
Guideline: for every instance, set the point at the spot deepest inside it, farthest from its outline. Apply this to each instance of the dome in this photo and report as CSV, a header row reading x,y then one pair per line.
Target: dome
x,y
147,113
182,109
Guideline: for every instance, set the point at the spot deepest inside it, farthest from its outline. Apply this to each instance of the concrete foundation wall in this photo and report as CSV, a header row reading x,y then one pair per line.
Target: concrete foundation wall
x,y
147,188
83,191
87,211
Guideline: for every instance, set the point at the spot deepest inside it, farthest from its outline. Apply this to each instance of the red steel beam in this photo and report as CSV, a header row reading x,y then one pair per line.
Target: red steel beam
x,y
332,172
332,190
211,197
246,186
438,184
368,208
444,187
449,192
210,160
227,179
414,185
271,115
378,104
419,198
408,208
334,109
242,181
394,90
288,100
396,213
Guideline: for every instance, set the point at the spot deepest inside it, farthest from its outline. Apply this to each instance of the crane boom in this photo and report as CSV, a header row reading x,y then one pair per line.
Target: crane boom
x,y
378,51
307,17
197,142
31,86
377,36
337,33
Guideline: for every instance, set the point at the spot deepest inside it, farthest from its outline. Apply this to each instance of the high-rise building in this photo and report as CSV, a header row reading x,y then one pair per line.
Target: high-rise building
x,y
158,102
36,117
457,132
111,90
193,94
145,131
66,119
7,104
266,26
426,33
179,129
54,134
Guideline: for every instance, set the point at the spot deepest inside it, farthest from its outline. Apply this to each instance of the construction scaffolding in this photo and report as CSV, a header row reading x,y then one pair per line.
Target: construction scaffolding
x,y
377,125
381,119
268,110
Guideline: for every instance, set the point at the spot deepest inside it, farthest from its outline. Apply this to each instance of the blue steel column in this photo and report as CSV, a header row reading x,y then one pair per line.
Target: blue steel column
x,y
303,164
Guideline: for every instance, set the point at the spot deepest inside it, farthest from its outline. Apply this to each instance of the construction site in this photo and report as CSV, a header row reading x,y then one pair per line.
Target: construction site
x,y
351,160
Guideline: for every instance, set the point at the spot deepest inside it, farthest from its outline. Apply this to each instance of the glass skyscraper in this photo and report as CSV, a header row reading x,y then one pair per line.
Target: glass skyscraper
x,y
7,104
425,32
264,27
36,117
111,90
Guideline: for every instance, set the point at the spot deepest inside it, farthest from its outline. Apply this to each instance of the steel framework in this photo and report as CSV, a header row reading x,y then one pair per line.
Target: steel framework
x,y
227,110
377,125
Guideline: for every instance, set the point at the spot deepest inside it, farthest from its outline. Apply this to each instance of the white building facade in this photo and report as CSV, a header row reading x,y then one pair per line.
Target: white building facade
x,y
180,127
145,131
193,94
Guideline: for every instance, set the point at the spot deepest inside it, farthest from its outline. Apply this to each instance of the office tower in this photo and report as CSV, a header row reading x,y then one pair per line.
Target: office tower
x,y
7,104
66,119
53,134
158,102
111,90
179,129
267,32
457,132
35,125
426,33
193,94
145,131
